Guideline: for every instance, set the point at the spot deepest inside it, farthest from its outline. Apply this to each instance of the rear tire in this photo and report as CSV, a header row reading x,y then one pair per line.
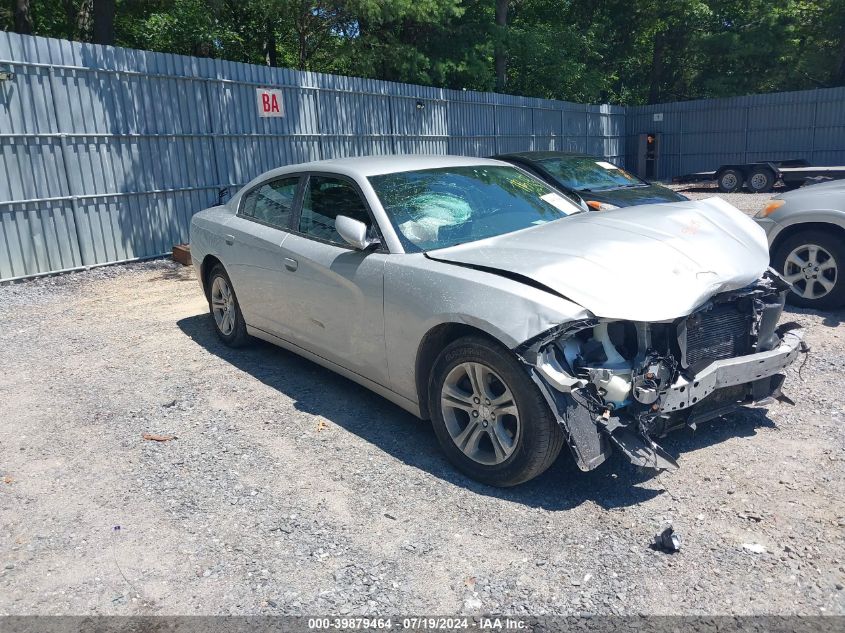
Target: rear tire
x,y
813,252
730,181
761,180
490,419
225,310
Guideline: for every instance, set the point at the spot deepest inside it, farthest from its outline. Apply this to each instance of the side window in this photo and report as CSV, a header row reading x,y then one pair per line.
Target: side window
x,y
325,199
272,202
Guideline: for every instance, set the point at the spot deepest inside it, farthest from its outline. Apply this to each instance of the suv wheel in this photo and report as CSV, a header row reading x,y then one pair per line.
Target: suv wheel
x,y
813,261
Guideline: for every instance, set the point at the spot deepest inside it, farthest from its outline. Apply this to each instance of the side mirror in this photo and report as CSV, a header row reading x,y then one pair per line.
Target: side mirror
x,y
354,232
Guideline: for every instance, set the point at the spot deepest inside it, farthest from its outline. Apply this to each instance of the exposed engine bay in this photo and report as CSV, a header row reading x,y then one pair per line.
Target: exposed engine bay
x,y
624,383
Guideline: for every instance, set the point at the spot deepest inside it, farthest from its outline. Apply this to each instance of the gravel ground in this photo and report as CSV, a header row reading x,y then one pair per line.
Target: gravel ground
x,y
750,203
290,490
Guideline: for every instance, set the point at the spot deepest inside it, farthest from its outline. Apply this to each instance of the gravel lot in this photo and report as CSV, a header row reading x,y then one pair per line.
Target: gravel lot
x,y
292,490
750,203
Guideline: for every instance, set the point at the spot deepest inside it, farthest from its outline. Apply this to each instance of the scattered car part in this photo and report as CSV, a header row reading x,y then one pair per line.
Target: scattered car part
x,y
668,540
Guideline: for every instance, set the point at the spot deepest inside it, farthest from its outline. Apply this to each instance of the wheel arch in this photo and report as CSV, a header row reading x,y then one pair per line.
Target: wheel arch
x,y
430,347
799,227
208,264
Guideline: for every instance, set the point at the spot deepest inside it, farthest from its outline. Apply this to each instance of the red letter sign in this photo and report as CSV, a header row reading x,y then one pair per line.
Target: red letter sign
x,y
270,103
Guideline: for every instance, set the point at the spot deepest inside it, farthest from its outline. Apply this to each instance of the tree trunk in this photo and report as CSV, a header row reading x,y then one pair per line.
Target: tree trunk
x,y
70,19
103,31
656,74
270,54
500,58
23,17
301,25
302,56
83,19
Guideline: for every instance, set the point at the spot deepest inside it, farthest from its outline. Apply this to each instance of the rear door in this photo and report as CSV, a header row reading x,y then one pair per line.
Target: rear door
x,y
255,257
336,293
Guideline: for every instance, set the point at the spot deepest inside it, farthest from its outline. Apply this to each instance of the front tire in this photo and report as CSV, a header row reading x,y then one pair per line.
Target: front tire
x,y
490,419
813,261
225,310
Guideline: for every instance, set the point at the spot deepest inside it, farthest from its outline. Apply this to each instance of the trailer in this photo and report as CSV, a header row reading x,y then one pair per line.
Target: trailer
x,y
761,176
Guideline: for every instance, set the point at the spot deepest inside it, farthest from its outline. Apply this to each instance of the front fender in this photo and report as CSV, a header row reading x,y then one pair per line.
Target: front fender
x,y
421,294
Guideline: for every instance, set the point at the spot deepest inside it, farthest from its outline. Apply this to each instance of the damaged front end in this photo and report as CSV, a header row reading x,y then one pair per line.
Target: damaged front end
x,y
623,383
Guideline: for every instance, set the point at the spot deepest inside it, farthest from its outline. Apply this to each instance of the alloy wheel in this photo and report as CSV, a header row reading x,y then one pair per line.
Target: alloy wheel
x,y
811,270
480,413
223,305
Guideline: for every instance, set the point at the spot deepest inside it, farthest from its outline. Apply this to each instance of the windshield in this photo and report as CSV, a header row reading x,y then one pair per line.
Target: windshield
x,y
585,173
436,208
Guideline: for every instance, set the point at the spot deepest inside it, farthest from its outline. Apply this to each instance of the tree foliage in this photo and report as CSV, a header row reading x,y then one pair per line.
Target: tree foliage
x,y
615,51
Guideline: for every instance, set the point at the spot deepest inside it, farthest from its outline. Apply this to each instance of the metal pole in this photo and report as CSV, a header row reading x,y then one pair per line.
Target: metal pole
x,y
496,128
221,183
319,124
813,128
84,251
392,126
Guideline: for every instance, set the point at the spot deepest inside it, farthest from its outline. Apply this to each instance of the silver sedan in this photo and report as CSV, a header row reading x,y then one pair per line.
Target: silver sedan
x,y
471,293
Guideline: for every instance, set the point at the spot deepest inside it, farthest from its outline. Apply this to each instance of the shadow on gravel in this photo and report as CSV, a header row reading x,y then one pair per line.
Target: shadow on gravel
x,y
173,272
319,391
831,318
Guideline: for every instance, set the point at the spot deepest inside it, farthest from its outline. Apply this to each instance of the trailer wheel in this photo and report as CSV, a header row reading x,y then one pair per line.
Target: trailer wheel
x,y
761,180
730,181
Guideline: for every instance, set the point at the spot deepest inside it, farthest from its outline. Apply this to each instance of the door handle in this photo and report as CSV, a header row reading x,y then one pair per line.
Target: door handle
x,y
230,239
291,264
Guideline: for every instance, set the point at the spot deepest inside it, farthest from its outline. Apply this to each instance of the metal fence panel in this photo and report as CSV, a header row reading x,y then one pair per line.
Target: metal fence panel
x,y
701,135
34,238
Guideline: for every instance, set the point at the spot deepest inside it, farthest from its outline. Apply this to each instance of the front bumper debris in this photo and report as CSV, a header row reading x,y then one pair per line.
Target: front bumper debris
x,y
686,392
593,428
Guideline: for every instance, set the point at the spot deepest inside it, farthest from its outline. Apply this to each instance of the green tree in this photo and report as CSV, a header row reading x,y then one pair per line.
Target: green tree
x,y
613,51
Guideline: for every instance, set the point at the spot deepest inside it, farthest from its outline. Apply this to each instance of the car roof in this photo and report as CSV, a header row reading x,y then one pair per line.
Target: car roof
x,y
541,155
364,166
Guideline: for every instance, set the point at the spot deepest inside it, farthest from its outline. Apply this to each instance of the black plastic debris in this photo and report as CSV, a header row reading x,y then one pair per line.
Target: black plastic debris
x,y
668,541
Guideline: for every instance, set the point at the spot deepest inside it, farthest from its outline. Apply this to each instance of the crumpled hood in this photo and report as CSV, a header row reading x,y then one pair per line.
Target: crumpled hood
x,y
646,263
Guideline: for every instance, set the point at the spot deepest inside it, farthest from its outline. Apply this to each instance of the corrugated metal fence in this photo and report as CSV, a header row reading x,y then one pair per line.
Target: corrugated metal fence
x,y
108,152
701,135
